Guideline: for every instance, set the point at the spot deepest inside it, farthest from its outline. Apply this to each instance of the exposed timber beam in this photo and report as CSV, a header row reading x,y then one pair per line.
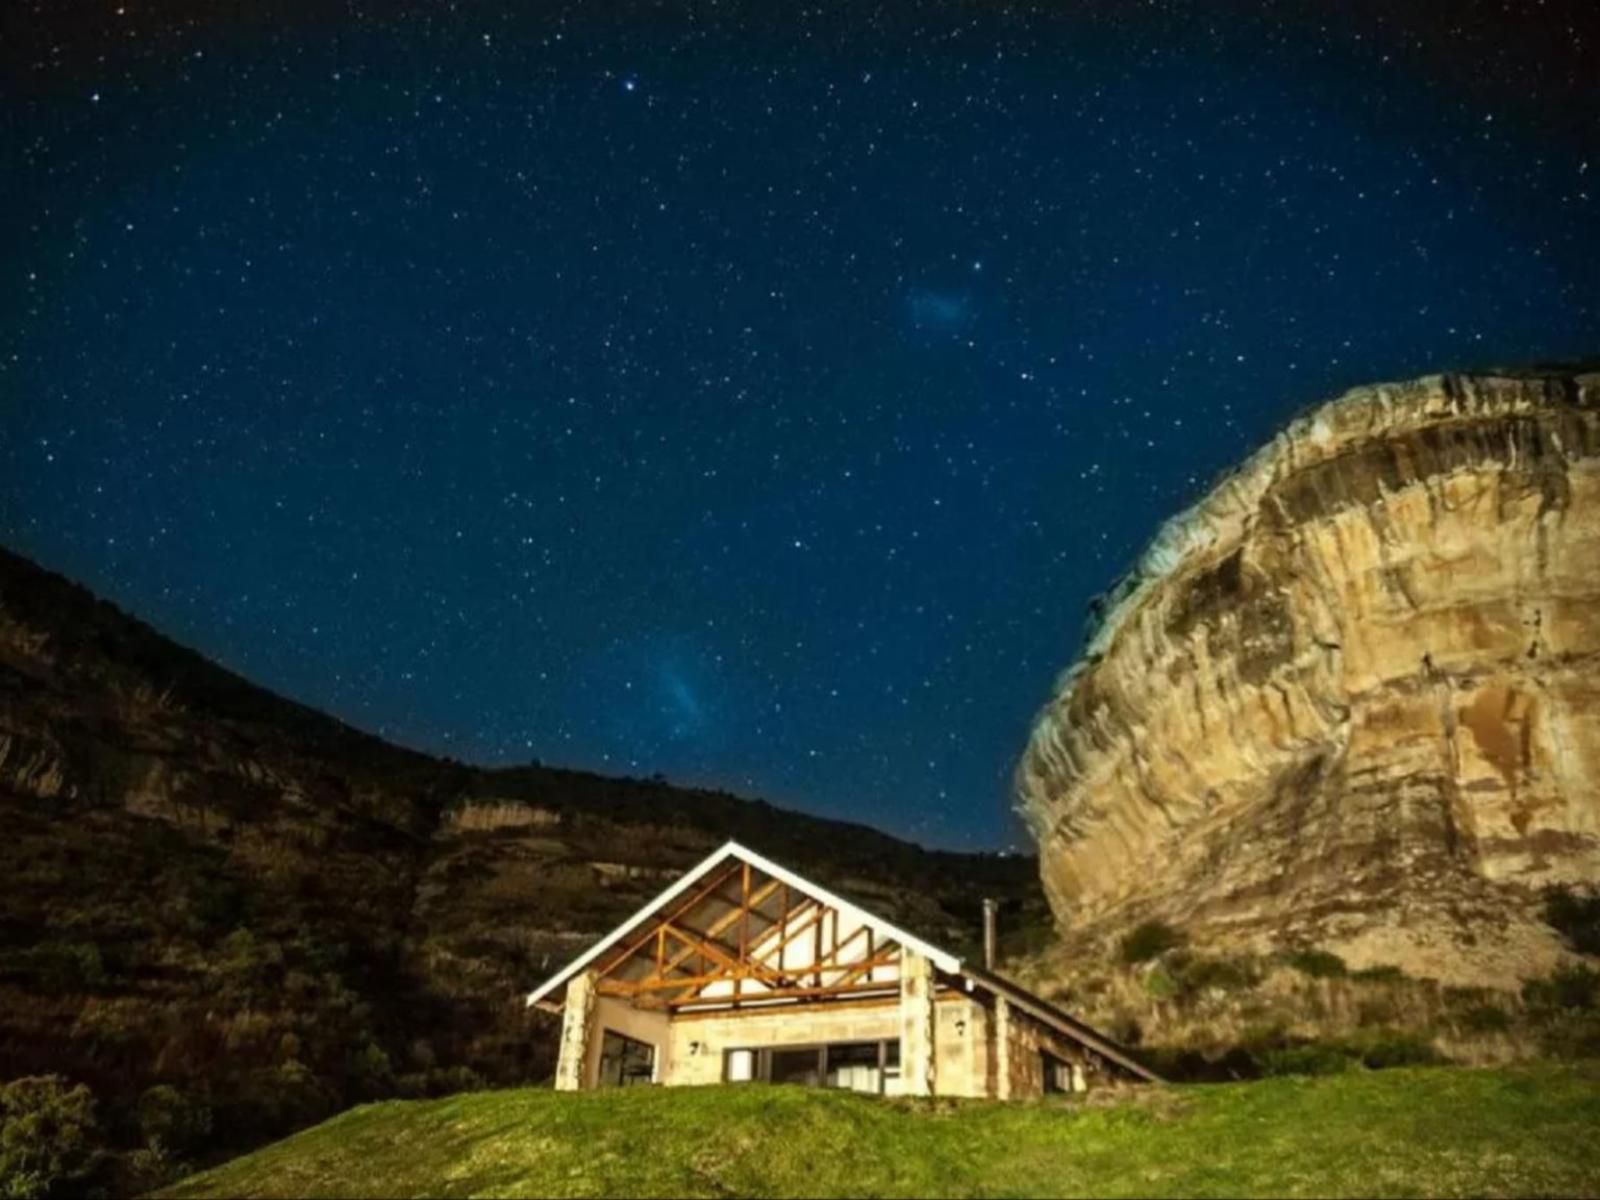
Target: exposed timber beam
x,y
643,939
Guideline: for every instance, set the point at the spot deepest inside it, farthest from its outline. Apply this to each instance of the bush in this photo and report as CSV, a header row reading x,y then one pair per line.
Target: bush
x,y
1160,985
371,1073
1569,1034
1382,973
439,1082
1319,964
1398,1050
1573,986
64,967
1195,975
1125,1028
272,1101
146,1169
1484,1018
1575,915
1149,940
1375,1051
49,1140
1314,1058
172,1122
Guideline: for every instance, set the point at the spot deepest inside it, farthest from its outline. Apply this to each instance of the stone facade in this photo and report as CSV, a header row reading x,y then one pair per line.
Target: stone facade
x,y
577,1040
971,1056
918,1028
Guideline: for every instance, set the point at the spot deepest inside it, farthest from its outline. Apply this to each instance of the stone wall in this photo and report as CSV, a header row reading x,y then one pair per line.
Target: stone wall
x,y
698,1042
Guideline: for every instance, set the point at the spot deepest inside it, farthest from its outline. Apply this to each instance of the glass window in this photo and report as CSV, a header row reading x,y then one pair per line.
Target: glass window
x,y
740,1066
624,1061
855,1066
1057,1074
797,1066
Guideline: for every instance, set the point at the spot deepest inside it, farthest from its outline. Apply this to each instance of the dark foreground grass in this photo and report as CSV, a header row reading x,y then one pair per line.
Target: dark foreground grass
x,y
1427,1132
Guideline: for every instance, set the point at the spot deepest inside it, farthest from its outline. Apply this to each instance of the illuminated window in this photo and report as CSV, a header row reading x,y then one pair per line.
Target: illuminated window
x,y
853,1066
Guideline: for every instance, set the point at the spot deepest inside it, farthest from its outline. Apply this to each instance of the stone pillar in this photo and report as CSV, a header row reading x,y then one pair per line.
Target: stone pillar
x,y
1002,1048
577,1022
917,1024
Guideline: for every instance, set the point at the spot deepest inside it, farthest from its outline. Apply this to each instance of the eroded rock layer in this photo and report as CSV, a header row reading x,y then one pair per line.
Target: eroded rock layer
x,y
1352,697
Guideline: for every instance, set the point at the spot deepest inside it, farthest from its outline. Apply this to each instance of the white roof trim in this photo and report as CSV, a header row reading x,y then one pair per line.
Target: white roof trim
x,y
942,959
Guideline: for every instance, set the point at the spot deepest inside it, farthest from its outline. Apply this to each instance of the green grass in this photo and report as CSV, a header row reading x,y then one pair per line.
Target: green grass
x,y
1418,1132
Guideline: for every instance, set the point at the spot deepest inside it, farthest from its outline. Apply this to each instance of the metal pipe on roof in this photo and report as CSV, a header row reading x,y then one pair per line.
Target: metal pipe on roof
x,y
989,908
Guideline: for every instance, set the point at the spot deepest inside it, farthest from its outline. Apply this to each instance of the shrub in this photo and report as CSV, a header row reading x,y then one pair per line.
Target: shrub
x,y
1484,1018
1238,1063
1125,1028
439,1082
63,967
1575,915
1319,964
146,1169
1572,986
271,1101
49,1140
1398,1050
1160,985
1197,975
1381,973
1570,1034
1314,1058
171,1121
1149,940
371,1073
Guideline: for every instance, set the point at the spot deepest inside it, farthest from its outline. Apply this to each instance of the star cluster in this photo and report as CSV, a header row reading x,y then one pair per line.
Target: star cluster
x,y
750,393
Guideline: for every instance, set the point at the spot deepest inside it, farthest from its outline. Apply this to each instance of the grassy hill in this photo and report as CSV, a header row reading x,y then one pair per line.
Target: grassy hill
x,y
1437,1132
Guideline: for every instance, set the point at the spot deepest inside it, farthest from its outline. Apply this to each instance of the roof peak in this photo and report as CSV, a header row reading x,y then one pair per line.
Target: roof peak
x,y
943,959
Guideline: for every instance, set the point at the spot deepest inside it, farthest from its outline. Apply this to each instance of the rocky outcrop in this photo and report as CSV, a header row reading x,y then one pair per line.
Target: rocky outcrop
x,y
1351,698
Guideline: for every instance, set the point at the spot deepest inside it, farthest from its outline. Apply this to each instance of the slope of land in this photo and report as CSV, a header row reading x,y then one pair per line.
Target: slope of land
x,y
213,889
1391,1133
1351,698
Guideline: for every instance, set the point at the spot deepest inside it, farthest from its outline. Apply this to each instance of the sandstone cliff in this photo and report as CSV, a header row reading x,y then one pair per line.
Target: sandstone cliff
x,y
1351,698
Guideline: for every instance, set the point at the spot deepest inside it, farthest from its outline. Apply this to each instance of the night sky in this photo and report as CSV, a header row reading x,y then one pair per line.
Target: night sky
x,y
751,393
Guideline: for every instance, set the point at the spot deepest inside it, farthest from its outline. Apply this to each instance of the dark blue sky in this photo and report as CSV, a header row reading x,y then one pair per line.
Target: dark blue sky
x,y
750,393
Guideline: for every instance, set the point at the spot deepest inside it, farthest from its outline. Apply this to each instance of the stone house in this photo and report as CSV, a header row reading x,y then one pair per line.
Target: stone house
x,y
743,971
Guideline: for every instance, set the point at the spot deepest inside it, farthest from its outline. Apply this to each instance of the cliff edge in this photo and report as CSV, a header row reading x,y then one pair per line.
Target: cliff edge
x,y
1351,698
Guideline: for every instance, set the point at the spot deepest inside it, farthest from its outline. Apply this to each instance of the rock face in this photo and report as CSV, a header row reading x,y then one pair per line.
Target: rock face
x,y
1352,697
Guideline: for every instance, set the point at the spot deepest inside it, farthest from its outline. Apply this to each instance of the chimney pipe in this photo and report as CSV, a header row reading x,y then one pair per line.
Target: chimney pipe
x,y
989,907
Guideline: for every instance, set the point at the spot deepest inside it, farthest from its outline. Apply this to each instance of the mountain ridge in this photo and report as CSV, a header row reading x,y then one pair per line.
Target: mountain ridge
x,y
220,890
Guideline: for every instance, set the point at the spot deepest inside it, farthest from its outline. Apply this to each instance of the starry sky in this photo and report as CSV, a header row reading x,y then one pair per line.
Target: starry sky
x,y
752,393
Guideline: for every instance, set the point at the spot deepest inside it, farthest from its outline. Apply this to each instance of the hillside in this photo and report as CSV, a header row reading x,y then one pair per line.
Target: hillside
x,y
1391,1133
215,889
1349,699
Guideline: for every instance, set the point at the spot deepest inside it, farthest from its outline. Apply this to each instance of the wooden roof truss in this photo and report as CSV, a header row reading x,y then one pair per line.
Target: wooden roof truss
x,y
746,938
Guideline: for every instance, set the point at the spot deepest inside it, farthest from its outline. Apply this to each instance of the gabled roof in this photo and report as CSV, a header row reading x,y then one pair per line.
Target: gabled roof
x,y
942,960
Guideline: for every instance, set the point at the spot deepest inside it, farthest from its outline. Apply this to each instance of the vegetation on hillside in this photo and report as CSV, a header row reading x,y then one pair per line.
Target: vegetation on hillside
x,y
1575,914
226,911
1517,1131
1204,1016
